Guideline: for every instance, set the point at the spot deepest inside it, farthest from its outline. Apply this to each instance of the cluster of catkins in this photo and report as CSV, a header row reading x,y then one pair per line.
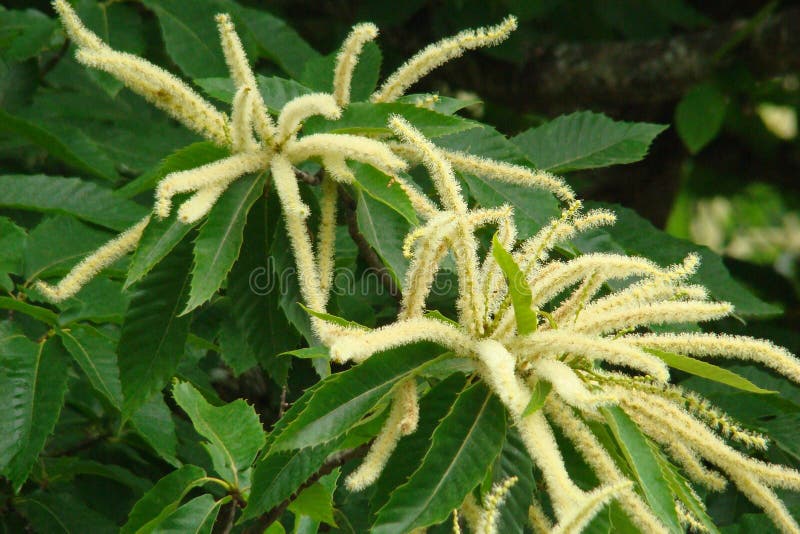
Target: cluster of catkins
x,y
587,325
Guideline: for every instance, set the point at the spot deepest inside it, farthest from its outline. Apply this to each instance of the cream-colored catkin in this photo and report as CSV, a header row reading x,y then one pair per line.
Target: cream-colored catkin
x,y
200,203
402,421
301,108
326,236
242,121
347,59
94,263
498,371
216,173
436,54
602,464
161,89
579,517
242,75
352,147
295,213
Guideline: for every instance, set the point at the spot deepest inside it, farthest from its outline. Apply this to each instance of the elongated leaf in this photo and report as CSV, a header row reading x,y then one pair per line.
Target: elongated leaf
x,y
25,34
518,288
278,475
194,155
514,461
637,236
384,189
316,501
63,513
699,116
57,244
153,422
644,465
463,447
158,239
539,395
153,335
278,41
220,238
333,319
683,491
70,196
66,468
102,300
234,429
162,499
37,312
310,353
371,119
384,229
12,251
434,406
275,91
196,516
344,398
96,355
586,140
64,142
34,383
708,371
190,35
254,290
234,349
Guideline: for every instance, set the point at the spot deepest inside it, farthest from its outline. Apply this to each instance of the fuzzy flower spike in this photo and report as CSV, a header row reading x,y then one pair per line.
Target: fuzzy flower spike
x,y
581,342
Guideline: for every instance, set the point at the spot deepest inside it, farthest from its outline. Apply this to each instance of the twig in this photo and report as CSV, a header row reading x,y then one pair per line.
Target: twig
x,y
307,177
332,463
53,61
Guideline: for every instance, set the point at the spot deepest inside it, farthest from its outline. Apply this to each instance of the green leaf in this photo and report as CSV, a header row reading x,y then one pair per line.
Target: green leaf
x,y
33,383
101,300
372,119
699,116
518,289
66,468
384,189
194,155
586,140
708,371
96,355
220,238
278,475
681,489
385,230
344,398
153,335
64,142
637,236
58,243
278,41
644,465
464,446
12,251
162,499
153,422
316,501
158,239
196,516
334,319
233,429
233,348
255,298
70,196
309,353
443,104
275,91
62,513
434,406
539,395
190,35
25,34
514,461
37,312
